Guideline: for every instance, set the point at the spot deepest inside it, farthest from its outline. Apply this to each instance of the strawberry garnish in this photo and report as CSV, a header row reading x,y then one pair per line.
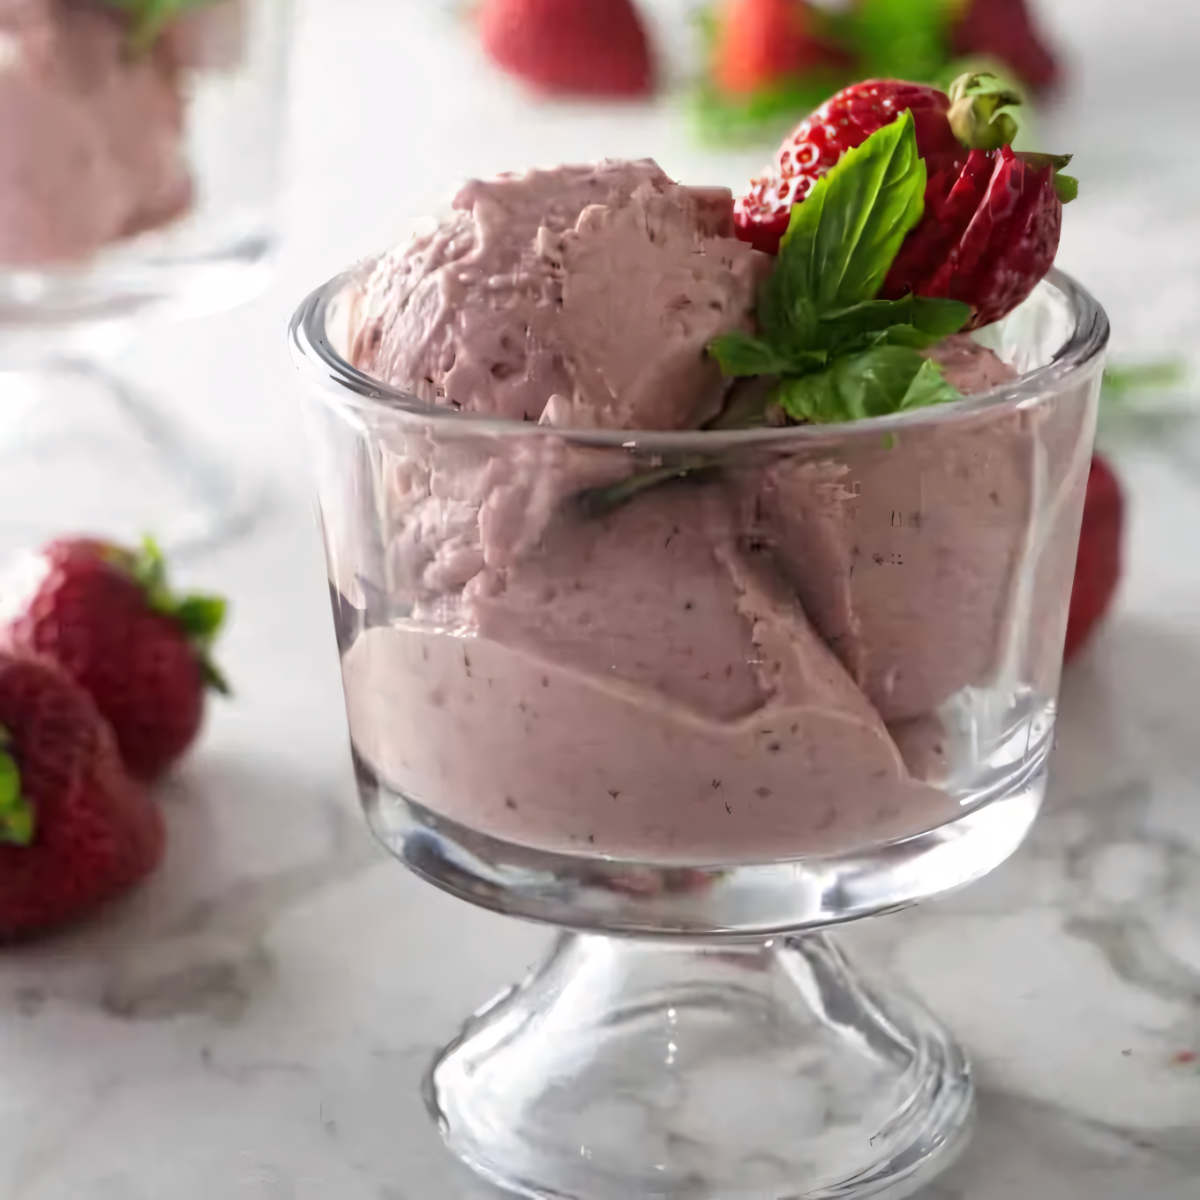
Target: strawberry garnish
x,y
835,349
846,120
992,216
107,615
75,830
759,43
589,47
1007,243
1098,566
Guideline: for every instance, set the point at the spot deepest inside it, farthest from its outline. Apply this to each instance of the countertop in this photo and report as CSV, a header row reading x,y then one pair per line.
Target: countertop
x,y
252,1024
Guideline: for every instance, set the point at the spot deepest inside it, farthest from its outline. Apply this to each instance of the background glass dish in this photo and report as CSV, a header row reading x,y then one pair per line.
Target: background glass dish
x,y
63,322
484,760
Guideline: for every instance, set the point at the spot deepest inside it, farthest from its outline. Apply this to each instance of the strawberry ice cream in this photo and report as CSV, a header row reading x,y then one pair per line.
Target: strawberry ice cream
x,y
512,307
91,136
775,655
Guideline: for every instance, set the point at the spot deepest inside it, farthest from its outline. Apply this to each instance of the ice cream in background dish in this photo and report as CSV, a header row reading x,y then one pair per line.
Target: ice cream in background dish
x,y
92,121
790,647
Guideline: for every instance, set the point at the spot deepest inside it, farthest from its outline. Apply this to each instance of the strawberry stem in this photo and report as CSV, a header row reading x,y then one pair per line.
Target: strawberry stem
x,y
976,101
17,822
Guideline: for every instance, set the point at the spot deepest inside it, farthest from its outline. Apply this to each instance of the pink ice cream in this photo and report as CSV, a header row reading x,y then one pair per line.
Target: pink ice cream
x,y
90,136
582,296
772,660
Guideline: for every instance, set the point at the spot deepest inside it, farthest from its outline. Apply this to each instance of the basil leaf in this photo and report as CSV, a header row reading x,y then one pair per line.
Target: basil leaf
x,y
929,386
1122,378
873,383
916,321
785,316
840,353
740,354
842,239
900,39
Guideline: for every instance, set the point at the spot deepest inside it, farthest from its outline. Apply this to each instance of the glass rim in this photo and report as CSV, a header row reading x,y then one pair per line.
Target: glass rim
x,y
345,386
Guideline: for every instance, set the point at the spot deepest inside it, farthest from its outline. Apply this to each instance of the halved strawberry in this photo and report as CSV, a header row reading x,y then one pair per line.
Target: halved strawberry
x,y
844,121
1007,246
952,197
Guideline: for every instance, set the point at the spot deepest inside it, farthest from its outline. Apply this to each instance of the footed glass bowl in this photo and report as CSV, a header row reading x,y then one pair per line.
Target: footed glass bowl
x,y
137,183
714,692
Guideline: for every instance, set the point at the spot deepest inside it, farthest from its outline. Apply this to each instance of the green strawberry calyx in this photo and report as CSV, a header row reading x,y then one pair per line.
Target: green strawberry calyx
x,y
980,111
981,117
199,614
17,821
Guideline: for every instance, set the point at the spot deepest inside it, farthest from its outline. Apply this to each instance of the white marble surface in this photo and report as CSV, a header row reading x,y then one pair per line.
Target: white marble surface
x,y
253,1023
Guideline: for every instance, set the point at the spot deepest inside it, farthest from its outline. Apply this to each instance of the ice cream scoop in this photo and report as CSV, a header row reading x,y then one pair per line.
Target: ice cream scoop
x,y
578,296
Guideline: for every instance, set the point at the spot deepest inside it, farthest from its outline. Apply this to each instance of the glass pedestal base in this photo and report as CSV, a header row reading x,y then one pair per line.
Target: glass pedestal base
x,y
82,451
623,1069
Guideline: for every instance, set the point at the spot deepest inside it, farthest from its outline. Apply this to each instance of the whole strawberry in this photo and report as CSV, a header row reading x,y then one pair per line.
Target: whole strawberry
x,y
1098,566
844,121
75,830
992,217
760,43
107,616
588,47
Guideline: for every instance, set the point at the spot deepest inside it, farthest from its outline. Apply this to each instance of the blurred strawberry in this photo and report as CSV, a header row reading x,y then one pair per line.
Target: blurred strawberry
x,y
588,47
108,617
75,830
759,43
1005,30
1098,566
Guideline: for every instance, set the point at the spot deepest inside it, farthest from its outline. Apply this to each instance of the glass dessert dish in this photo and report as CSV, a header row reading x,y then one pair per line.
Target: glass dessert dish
x,y
697,697
140,166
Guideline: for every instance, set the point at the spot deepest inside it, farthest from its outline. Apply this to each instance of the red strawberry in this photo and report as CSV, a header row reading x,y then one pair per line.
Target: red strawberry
x,y
993,259
1004,30
992,217
760,42
594,47
106,615
844,121
1098,566
75,830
